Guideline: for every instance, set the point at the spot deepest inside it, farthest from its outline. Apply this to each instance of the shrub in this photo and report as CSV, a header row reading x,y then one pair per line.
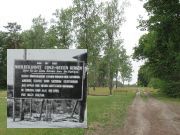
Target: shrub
x,y
172,88
156,83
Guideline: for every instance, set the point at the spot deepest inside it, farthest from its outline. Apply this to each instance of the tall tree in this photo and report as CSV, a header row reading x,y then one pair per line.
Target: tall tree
x,y
13,35
3,59
64,27
51,38
35,37
160,47
90,31
113,20
10,39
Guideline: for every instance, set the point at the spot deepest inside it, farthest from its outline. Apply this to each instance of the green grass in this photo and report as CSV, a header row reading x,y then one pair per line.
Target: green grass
x,y
99,91
105,90
105,105
3,93
2,113
102,110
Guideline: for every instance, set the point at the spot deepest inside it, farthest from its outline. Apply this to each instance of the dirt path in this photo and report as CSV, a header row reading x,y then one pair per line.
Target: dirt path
x,y
152,117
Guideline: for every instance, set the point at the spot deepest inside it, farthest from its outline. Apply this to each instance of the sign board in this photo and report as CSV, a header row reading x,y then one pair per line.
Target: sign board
x,y
48,79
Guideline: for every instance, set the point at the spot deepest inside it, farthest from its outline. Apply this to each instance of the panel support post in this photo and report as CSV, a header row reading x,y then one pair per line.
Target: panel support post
x,y
82,103
14,109
21,109
74,108
31,107
42,104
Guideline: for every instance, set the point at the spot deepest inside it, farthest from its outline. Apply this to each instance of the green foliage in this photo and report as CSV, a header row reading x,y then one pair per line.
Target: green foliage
x,y
87,25
9,39
160,47
35,37
171,88
144,75
62,30
156,83
13,38
113,50
3,48
51,38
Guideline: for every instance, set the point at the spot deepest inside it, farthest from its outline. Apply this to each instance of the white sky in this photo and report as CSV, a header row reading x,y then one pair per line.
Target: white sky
x,y
23,11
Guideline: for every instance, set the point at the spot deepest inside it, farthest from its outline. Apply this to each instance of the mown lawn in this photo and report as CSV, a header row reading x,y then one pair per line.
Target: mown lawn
x,y
102,111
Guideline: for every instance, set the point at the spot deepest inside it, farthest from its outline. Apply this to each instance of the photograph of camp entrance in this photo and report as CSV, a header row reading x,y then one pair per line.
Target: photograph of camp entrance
x,y
46,88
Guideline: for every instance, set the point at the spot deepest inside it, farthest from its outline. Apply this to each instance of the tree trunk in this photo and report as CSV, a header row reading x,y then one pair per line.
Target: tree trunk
x,y
116,79
94,86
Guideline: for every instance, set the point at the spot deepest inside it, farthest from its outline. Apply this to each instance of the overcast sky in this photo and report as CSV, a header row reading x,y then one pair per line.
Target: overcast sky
x,y
23,11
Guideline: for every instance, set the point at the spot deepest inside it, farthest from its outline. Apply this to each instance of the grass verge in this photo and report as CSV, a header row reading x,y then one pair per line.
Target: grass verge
x,y
163,97
3,93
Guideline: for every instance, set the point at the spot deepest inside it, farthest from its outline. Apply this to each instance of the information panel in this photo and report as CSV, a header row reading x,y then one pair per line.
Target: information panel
x,y
48,79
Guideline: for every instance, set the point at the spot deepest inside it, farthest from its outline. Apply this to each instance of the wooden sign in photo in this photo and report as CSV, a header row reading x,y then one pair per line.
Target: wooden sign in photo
x,y
48,79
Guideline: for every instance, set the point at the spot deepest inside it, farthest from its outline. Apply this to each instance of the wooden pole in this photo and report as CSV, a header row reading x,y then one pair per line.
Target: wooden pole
x,y
42,103
74,108
22,100
21,110
30,107
46,110
83,102
13,108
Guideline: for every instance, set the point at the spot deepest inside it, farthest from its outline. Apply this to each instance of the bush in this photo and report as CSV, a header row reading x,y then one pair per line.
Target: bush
x,y
156,83
172,88
3,84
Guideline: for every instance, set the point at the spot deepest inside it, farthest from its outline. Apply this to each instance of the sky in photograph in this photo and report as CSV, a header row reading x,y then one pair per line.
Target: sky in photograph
x,y
23,11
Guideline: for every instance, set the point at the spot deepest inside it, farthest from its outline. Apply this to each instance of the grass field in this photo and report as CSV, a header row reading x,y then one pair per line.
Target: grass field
x,y
103,112
3,93
100,91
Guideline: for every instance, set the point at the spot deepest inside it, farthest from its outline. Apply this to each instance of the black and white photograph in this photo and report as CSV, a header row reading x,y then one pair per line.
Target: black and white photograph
x,y
46,88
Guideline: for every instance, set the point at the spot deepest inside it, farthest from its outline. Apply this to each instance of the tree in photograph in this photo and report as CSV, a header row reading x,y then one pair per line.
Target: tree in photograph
x,y
160,47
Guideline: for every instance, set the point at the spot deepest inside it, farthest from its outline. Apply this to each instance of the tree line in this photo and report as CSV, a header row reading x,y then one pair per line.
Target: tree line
x,y
160,47
85,25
